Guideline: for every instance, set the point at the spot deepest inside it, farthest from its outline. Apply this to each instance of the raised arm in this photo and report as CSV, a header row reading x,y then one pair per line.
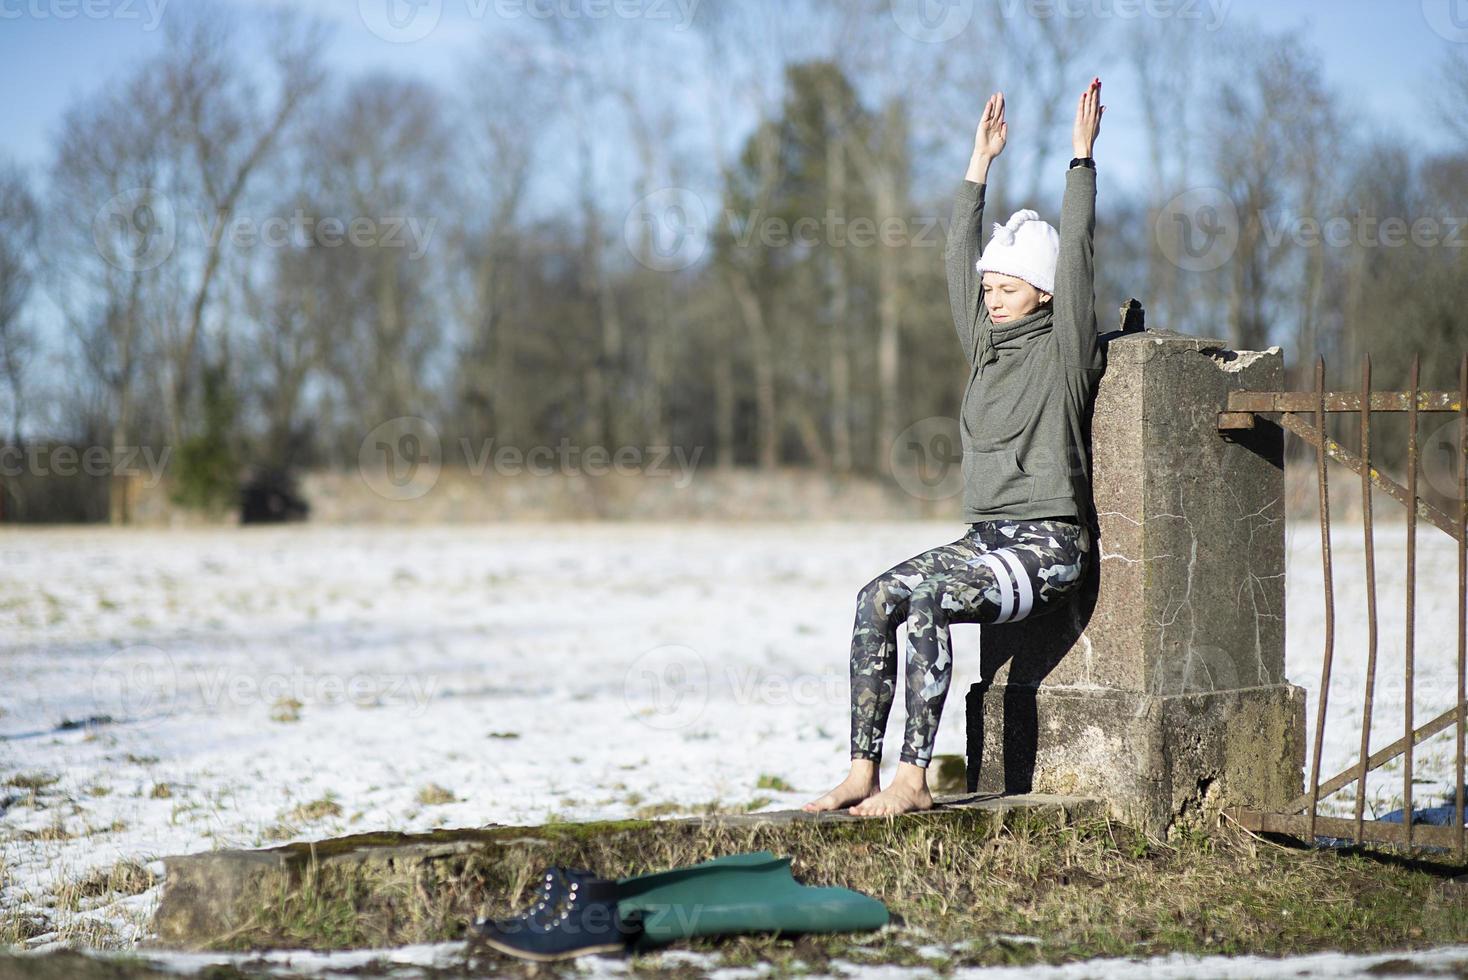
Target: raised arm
x,y
1075,273
966,224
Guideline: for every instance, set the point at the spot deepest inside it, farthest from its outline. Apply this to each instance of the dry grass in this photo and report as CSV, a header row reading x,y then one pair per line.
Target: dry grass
x,y
32,781
19,927
293,821
286,710
26,920
315,810
121,879
56,830
434,795
1094,888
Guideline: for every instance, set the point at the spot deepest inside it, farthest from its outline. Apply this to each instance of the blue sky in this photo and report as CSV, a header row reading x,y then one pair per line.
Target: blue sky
x,y
1379,53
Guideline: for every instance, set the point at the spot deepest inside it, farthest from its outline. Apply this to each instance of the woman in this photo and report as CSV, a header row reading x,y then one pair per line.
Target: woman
x,y
1030,337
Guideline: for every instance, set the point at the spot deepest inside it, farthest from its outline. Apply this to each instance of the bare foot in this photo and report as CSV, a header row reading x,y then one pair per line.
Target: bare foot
x,y
897,798
853,789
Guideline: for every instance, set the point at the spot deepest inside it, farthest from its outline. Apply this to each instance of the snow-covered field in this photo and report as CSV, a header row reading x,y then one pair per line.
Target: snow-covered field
x,y
248,687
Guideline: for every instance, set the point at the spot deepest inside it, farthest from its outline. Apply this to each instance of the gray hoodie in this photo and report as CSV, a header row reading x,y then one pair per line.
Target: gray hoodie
x,y
1031,380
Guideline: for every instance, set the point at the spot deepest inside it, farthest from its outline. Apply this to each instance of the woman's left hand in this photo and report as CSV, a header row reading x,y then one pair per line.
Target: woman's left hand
x,y
1088,119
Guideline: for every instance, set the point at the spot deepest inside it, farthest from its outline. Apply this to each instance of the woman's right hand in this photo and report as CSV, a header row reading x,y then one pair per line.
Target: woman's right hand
x,y
993,131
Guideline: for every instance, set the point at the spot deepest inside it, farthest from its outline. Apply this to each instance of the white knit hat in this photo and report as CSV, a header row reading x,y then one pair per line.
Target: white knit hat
x,y
1025,247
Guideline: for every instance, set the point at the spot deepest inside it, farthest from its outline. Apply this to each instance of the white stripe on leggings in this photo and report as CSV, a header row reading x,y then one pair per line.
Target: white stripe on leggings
x,y
1022,579
1007,590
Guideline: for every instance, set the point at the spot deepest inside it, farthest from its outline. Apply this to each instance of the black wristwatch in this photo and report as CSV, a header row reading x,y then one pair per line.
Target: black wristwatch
x,y
1082,162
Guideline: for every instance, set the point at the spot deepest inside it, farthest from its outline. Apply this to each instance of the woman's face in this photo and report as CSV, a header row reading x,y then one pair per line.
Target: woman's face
x,y
1009,297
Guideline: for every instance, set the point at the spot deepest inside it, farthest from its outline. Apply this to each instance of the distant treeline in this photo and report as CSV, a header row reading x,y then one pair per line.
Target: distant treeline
x,y
725,235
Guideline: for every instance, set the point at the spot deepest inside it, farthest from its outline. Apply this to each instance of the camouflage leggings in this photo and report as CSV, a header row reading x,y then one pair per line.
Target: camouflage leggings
x,y
999,571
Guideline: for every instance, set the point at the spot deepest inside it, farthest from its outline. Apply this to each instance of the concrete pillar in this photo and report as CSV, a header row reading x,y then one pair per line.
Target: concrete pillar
x,y
1161,688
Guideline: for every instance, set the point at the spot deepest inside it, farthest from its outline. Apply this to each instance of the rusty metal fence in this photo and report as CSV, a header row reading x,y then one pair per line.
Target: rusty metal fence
x,y
1301,817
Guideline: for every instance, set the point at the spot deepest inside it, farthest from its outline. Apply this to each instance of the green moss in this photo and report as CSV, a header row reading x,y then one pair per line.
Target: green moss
x,y
570,830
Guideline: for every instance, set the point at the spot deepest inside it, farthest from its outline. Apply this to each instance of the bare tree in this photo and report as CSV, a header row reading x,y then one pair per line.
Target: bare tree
x,y
1164,52
503,118
746,46
223,131
838,281
383,153
1266,89
748,53
284,352
1318,190
639,83
108,238
579,45
19,236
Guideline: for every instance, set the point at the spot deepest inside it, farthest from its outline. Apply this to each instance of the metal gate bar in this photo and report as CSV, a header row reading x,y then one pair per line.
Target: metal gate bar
x,y
1298,825
1425,510
1329,598
1378,758
1366,474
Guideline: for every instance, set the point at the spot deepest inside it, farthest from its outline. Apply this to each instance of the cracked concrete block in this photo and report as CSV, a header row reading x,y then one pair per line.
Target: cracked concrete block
x,y
1153,760
1185,598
